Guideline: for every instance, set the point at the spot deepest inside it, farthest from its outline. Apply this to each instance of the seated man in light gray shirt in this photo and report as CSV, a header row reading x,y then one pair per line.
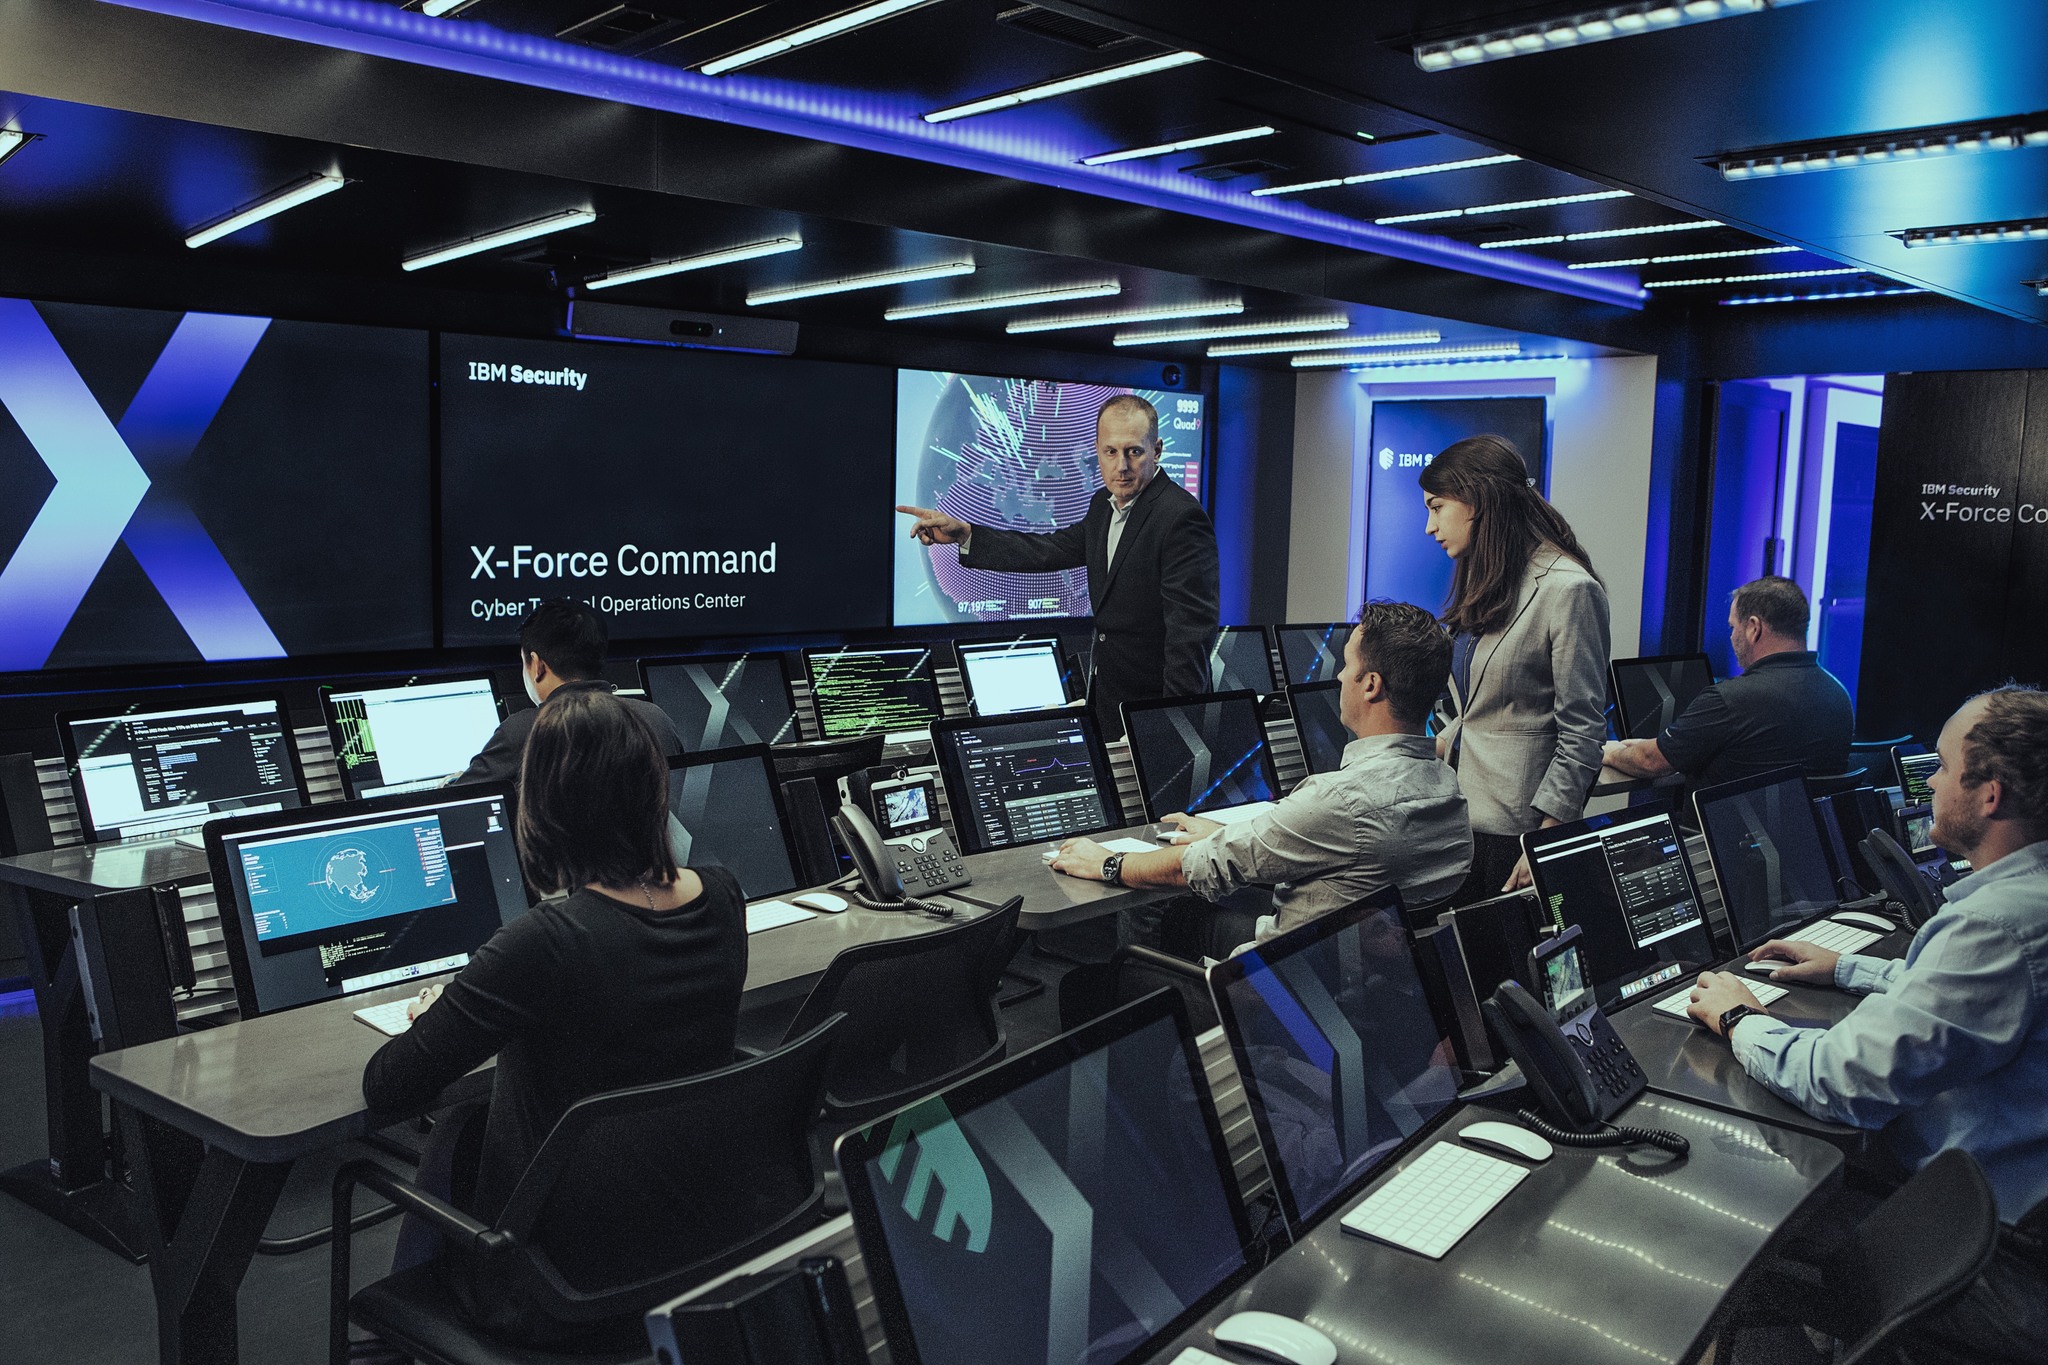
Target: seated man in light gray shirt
x,y
1950,1049
1391,815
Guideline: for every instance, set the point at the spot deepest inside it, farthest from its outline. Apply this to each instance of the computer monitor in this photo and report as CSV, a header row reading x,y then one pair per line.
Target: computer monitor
x,y
1345,1054
1319,721
723,701
1200,754
1765,849
730,810
1623,879
335,899
408,736
150,770
1650,693
1075,1204
1021,779
1913,771
1312,653
861,690
1241,660
1002,676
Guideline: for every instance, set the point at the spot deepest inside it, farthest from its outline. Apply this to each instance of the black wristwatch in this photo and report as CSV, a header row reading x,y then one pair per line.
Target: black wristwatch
x,y
1113,869
1735,1016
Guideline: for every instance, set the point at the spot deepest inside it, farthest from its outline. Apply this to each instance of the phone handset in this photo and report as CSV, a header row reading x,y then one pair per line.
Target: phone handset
x,y
874,864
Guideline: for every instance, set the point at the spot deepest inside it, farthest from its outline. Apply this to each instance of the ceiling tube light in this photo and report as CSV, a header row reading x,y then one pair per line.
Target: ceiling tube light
x,y
1975,234
490,241
881,280
1816,298
1509,207
444,9
1331,322
1374,177
291,196
845,22
13,140
1087,80
1684,256
1422,337
1590,26
1186,144
1604,233
1480,350
1060,322
676,265
1549,239
1022,299
1748,279
1909,144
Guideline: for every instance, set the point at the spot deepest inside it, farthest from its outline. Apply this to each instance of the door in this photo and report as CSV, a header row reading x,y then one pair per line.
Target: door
x,y
1744,539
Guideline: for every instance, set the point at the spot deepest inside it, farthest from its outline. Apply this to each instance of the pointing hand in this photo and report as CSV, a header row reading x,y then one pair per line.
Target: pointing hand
x,y
935,527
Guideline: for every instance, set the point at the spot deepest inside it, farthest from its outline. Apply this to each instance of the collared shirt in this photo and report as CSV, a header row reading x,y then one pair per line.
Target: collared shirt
x,y
1119,517
1951,1048
1391,815
1784,710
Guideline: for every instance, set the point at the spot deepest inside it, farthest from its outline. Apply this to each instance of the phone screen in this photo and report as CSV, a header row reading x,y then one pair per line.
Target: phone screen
x,y
1565,988
907,808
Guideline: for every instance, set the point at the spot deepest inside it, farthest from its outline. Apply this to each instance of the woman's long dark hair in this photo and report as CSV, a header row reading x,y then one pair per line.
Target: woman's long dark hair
x,y
1510,519
593,795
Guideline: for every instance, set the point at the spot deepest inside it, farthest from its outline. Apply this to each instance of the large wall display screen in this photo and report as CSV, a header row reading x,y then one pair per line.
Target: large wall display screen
x,y
177,487
1014,453
680,493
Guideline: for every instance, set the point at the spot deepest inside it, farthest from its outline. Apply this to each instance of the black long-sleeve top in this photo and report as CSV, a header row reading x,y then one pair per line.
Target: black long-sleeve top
x,y
575,998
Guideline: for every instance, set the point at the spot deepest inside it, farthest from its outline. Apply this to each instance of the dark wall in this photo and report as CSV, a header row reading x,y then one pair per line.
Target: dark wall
x,y
1254,491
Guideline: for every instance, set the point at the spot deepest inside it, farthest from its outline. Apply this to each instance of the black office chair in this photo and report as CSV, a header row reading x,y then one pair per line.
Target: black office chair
x,y
1828,784
1916,1253
1900,877
727,1172
1133,972
826,761
1877,753
920,1014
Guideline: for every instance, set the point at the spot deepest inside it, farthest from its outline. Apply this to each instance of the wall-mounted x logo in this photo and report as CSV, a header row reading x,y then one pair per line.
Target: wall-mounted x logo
x,y
104,491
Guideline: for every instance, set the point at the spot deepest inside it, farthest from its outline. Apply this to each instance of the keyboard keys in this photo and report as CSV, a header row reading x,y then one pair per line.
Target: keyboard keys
x,y
388,1018
1436,1199
1840,938
1674,1005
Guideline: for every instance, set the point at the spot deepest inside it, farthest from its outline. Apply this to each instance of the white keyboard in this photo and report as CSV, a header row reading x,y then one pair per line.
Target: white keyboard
x,y
1837,937
1439,1198
389,1017
1674,1005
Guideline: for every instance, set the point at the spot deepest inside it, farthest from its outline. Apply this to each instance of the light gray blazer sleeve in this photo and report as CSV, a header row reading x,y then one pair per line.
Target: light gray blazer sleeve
x,y
1579,642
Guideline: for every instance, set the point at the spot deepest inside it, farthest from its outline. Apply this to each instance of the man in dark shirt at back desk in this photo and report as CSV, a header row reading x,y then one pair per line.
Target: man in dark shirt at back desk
x,y
1784,711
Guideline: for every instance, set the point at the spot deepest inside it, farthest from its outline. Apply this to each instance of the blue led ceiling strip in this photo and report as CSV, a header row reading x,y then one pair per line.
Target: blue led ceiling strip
x,y
872,122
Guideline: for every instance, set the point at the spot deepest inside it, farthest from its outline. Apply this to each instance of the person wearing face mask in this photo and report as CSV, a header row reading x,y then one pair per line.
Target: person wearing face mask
x,y
561,644
1528,685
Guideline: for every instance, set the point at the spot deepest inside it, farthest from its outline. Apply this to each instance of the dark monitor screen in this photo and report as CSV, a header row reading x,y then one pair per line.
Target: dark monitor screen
x,y
142,772
1344,1056
342,898
731,815
1913,771
1019,779
1766,852
1076,1204
1623,879
1241,661
409,736
723,701
1200,754
1313,653
1002,676
860,691
1651,693
1318,719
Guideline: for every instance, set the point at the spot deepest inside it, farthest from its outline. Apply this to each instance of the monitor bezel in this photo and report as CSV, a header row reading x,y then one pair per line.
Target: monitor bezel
x,y
953,778
218,869
812,653
1726,790
1614,682
962,647
1131,708
1273,684
781,656
1231,970
88,831
856,1147
333,721
1294,714
764,753
1280,645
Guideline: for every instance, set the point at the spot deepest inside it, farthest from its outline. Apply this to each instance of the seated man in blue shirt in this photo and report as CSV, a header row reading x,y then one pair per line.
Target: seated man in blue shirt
x,y
1391,815
1951,1047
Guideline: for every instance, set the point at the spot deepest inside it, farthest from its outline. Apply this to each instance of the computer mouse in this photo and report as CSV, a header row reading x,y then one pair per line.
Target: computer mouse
x,y
1170,834
1510,1139
1864,921
1765,967
820,900
1273,1337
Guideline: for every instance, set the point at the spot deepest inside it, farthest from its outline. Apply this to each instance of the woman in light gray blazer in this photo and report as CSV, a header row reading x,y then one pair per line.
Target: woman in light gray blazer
x,y
1528,688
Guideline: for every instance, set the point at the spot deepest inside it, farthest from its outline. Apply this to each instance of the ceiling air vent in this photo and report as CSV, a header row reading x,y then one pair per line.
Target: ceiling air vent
x,y
614,28
1061,29
1232,170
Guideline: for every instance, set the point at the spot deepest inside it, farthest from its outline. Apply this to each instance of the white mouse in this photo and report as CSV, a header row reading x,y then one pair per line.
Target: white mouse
x,y
820,900
1510,1139
1864,921
1273,1337
1765,967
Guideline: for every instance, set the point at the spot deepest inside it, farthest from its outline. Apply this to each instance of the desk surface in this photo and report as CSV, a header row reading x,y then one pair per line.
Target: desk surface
x,y
1052,899
90,869
1616,1256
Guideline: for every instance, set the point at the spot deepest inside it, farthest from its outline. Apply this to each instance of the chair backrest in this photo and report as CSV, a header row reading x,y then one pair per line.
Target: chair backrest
x,y
1900,878
636,1195
920,1014
1922,1247
1827,784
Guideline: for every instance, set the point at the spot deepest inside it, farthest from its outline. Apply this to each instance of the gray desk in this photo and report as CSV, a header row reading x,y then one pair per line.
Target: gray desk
x,y
1600,1257
1052,899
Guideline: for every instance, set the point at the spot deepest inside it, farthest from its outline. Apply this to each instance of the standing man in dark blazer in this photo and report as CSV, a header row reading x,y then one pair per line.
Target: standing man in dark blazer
x,y
1150,553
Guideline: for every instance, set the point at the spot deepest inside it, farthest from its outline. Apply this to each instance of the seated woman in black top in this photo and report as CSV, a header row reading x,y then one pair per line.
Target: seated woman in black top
x,y
633,978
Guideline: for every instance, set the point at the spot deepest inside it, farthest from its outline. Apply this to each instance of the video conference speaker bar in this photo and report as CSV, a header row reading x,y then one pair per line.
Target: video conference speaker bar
x,y
591,321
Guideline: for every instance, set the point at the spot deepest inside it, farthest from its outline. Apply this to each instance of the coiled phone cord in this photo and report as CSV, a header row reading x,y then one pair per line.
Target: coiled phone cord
x,y
1615,1135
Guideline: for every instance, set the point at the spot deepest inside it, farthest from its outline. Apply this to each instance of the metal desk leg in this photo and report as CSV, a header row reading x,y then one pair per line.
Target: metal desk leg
x,y
203,1213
